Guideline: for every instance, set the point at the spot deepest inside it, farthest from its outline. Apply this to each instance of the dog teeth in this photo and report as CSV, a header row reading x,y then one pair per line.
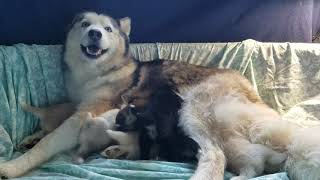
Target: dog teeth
x,y
93,53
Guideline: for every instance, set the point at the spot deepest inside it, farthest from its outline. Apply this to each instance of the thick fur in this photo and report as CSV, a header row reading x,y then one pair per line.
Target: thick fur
x,y
233,127
157,126
304,155
152,77
233,140
92,136
221,111
99,70
221,116
127,145
50,118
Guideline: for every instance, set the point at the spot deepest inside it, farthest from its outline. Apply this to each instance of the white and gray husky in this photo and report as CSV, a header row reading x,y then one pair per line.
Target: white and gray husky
x,y
221,111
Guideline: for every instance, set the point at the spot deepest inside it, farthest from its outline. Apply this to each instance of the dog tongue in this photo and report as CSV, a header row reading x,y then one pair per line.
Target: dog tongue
x,y
93,50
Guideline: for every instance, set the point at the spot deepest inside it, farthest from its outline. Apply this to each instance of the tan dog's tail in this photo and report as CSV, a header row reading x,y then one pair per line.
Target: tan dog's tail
x,y
55,114
38,112
303,161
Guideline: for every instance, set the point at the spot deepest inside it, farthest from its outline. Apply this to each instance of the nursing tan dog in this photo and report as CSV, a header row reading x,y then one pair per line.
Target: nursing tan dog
x,y
221,111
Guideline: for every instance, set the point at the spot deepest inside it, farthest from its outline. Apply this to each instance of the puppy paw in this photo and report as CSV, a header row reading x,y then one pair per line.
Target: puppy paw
x,y
8,171
77,160
114,152
239,178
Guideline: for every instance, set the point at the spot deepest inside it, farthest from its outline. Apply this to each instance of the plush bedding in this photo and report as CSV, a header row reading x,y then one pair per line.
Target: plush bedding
x,y
286,75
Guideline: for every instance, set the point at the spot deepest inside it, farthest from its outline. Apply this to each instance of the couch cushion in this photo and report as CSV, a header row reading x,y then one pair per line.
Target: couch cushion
x,y
45,22
284,74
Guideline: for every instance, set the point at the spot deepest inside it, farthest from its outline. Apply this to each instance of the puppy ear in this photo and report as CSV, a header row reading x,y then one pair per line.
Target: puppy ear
x,y
132,106
124,99
78,18
125,25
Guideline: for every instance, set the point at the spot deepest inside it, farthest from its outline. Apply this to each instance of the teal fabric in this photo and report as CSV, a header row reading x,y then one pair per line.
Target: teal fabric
x,y
30,74
33,74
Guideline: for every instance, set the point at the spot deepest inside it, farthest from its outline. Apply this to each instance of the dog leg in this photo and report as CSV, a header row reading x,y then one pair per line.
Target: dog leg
x,y
63,138
251,160
93,136
211,164
121,137
128,146
81,153
246,172
31,140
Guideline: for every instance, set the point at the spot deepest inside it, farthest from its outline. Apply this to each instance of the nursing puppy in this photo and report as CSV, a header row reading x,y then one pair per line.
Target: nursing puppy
x,y
234,128
93,137
221,111
92,134
227,145
157,126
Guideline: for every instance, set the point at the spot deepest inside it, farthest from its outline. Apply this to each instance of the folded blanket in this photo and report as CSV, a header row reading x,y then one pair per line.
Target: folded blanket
x,y
34,75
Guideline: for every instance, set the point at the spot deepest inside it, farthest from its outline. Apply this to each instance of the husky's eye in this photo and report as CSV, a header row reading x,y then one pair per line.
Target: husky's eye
x,y
85,24
108,29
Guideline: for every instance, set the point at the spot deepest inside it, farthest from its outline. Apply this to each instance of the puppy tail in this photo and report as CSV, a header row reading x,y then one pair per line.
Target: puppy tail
x,y
303,161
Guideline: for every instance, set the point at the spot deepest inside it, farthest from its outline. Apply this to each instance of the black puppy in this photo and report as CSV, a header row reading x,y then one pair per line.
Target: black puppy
x,y
157,124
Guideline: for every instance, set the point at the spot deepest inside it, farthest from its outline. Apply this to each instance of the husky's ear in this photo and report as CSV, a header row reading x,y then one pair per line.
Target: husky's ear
x,y
77,18
125,25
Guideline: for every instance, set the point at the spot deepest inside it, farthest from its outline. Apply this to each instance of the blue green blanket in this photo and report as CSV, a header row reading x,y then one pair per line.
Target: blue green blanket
x,y
34,75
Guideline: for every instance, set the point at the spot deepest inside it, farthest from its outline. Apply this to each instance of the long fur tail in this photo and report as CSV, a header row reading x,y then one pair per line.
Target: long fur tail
x,y
303,161
38,112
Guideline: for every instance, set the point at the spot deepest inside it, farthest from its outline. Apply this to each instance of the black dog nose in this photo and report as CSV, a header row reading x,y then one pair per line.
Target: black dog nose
x,y
95,34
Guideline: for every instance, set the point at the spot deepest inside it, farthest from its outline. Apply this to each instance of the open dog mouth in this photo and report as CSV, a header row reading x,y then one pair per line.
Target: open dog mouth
x,y
93,51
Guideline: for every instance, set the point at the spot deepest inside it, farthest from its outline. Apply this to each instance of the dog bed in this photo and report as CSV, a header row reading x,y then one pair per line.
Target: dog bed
x,y
286,75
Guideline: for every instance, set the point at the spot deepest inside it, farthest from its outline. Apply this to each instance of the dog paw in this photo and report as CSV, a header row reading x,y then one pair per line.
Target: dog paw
x,y
114,152
239,178
8,171
77,160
